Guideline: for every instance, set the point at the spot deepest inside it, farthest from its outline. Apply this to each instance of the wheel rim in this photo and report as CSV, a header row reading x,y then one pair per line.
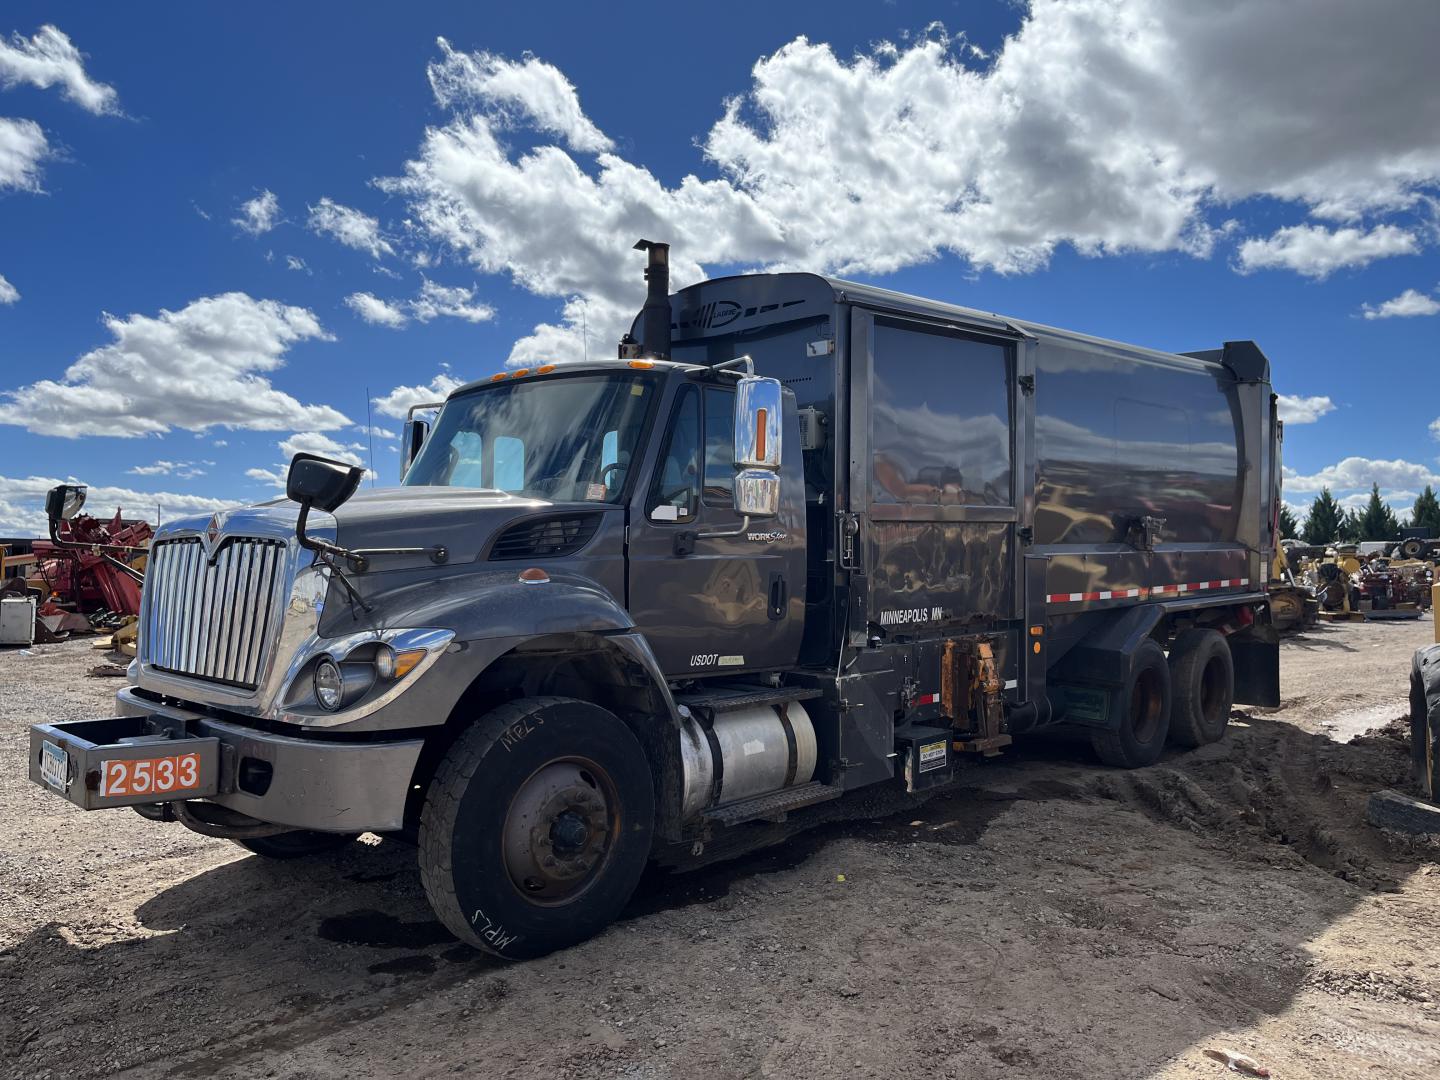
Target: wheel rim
x,y
560,830
1146,702
1213,707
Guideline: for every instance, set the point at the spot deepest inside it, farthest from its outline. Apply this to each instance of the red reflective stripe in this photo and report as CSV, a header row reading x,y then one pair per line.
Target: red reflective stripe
x,y
1154,590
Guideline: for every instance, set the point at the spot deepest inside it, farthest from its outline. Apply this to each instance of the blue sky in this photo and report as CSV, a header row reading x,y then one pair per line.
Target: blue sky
x,y
423,210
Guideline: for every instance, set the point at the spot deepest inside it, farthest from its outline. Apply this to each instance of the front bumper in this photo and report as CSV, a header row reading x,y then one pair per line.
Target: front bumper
x,y
316,784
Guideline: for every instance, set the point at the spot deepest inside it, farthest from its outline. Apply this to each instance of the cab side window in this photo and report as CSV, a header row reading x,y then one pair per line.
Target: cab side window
x,y
719,447
675,494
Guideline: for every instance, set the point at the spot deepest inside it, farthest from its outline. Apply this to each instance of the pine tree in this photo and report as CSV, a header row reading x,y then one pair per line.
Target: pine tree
x,y
1326,518
1378,521
1289,527
1349,531
1426,514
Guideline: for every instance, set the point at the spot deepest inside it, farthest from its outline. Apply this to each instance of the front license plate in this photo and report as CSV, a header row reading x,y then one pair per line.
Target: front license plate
x,y
169,775
55,766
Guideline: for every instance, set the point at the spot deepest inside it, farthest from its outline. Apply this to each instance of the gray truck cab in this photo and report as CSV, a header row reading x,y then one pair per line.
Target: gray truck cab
x,y
798,538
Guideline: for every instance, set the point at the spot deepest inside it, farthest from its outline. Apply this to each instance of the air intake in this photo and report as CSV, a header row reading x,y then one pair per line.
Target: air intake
x,y
545,538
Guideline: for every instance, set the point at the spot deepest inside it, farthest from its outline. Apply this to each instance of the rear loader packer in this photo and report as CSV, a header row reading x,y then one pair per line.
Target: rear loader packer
x,y
801,537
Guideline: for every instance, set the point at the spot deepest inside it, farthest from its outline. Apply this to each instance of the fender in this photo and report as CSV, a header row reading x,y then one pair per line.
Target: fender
x,y
492,613
1104,654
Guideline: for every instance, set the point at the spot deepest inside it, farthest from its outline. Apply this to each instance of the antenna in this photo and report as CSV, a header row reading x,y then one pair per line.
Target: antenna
x,y
585,326
370,434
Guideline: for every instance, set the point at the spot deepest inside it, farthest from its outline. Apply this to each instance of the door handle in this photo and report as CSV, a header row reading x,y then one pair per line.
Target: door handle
x,y
779,594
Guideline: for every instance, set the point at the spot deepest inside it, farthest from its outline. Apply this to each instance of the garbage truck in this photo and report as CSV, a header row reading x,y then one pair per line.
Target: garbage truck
x,y
800,537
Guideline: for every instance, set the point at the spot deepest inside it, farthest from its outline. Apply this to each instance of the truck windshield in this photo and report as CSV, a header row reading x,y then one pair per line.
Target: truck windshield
x,y
567,438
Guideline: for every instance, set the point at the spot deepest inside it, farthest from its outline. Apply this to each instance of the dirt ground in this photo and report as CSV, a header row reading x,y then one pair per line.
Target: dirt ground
x,y
1046,918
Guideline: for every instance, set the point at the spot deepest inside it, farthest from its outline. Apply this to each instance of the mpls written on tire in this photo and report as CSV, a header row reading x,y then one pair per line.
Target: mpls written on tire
x,y
794,529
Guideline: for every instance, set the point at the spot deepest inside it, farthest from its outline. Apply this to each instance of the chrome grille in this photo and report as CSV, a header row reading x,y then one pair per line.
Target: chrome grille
x,y
210,619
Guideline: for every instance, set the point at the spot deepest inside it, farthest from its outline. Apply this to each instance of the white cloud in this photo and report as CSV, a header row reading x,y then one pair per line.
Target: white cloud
x,y
1408,304
1435,428
1101,125
432,302
1295,409
308,442
200,367
1399,501
377,432
398,401
23,147
536,89
1358,473
260,214
1317,252
453,301
275,477
49,59
313,442
22,502
350,227
294,262
374,310
185,470
8,293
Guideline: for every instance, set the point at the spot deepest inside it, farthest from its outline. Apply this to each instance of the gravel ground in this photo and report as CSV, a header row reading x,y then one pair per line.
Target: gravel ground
x,y
1047,918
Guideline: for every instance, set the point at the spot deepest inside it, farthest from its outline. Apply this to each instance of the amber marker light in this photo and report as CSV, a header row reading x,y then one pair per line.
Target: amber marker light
x,y
642,364
498,377
519,372
544,369
533,576
405,661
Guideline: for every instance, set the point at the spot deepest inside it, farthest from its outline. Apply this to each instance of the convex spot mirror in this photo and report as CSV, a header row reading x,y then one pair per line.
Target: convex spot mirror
x,y
758,403
64,502
320,482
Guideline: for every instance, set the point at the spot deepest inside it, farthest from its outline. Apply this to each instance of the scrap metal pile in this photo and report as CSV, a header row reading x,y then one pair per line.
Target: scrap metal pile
x,y
1347,583
85,579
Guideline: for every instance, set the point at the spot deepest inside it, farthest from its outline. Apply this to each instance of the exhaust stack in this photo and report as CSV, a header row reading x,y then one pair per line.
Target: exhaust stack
x,y
655,317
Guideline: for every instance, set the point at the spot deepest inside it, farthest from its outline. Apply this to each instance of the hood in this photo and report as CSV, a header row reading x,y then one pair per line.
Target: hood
x,y
463,520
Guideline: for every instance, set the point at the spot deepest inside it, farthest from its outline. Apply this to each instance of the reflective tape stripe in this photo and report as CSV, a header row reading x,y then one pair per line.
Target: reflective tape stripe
x,y
1154,590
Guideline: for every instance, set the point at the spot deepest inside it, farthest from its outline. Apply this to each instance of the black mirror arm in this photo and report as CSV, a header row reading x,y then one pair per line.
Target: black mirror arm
x,y
326,553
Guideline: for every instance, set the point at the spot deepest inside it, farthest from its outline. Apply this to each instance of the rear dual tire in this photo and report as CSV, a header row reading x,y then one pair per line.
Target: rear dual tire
x,y
1202,678
1144,703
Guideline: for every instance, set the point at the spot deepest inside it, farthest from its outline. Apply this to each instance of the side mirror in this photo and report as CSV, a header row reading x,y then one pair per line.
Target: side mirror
x,y
758,405
64,502
757,423
321,483
413,438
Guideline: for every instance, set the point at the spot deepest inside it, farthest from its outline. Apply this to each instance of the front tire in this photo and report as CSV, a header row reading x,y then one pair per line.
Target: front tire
x,y
536,827
1202,678
1144,706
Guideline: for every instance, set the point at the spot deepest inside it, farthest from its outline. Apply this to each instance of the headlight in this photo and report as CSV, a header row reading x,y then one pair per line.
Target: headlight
x,y
329,685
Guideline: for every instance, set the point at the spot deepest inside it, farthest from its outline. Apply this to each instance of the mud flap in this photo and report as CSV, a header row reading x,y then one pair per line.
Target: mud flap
x,y
1256,653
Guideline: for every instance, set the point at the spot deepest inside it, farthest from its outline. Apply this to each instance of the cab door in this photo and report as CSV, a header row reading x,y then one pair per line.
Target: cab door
x,y
714,605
